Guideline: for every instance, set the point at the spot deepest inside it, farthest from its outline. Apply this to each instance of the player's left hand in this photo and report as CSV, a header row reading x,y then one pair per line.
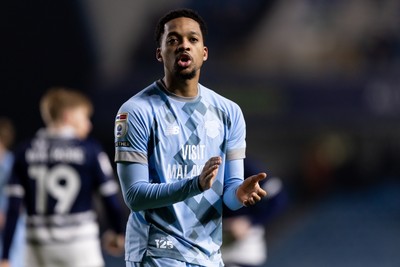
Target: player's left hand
x,y
113,243
250,192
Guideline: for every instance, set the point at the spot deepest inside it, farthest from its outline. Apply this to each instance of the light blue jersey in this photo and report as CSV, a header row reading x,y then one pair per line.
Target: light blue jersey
x,y
173,137
17,250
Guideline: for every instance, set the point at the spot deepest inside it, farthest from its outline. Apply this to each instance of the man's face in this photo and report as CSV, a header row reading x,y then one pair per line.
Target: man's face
x,y
79,119
182,48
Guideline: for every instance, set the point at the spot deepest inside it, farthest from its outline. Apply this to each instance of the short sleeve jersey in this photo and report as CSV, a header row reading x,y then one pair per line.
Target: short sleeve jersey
x,y
174,137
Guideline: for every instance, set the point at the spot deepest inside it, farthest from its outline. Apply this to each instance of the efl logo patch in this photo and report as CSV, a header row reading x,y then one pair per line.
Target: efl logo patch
x,y
121,126
122,116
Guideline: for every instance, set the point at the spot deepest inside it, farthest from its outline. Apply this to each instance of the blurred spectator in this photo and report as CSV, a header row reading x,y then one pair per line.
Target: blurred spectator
x,y
245,243
55,175
329,160
7,135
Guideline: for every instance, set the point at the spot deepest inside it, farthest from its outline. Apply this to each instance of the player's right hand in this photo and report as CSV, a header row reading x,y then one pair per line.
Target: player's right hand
x,y
209,173
5,263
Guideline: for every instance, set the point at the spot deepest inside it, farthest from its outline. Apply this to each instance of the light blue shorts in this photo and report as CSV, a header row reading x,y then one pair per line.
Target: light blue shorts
x,y
160,262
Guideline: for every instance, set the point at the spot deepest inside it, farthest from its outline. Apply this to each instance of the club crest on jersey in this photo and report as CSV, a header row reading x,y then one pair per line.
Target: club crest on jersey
x,y
212,128
121,126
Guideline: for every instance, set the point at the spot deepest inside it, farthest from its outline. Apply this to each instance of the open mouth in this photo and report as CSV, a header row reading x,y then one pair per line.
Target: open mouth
x,y
184,60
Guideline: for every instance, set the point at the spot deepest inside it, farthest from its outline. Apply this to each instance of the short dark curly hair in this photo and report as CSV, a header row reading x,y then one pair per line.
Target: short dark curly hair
x,y
179,13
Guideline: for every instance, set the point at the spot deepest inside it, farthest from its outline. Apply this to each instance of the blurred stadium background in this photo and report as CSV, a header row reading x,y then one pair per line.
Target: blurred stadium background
x,y
318,82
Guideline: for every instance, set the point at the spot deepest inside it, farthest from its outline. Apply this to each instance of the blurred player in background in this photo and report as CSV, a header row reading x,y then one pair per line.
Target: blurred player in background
x,y
179,151
7,135
245,243
55,176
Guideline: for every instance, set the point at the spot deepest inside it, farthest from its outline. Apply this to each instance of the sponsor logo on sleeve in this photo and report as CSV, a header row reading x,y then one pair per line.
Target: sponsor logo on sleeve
x,y
122,144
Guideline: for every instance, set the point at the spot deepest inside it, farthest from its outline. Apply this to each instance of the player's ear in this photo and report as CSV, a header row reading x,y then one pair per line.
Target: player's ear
x,y
205,53
158,55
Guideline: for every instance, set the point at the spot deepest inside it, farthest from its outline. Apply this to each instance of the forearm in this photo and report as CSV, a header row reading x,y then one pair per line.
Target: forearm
x,y
231,200
234,178
139,194
114,213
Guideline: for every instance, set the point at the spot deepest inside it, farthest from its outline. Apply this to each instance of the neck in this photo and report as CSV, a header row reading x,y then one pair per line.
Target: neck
x,y
61,130
185,88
